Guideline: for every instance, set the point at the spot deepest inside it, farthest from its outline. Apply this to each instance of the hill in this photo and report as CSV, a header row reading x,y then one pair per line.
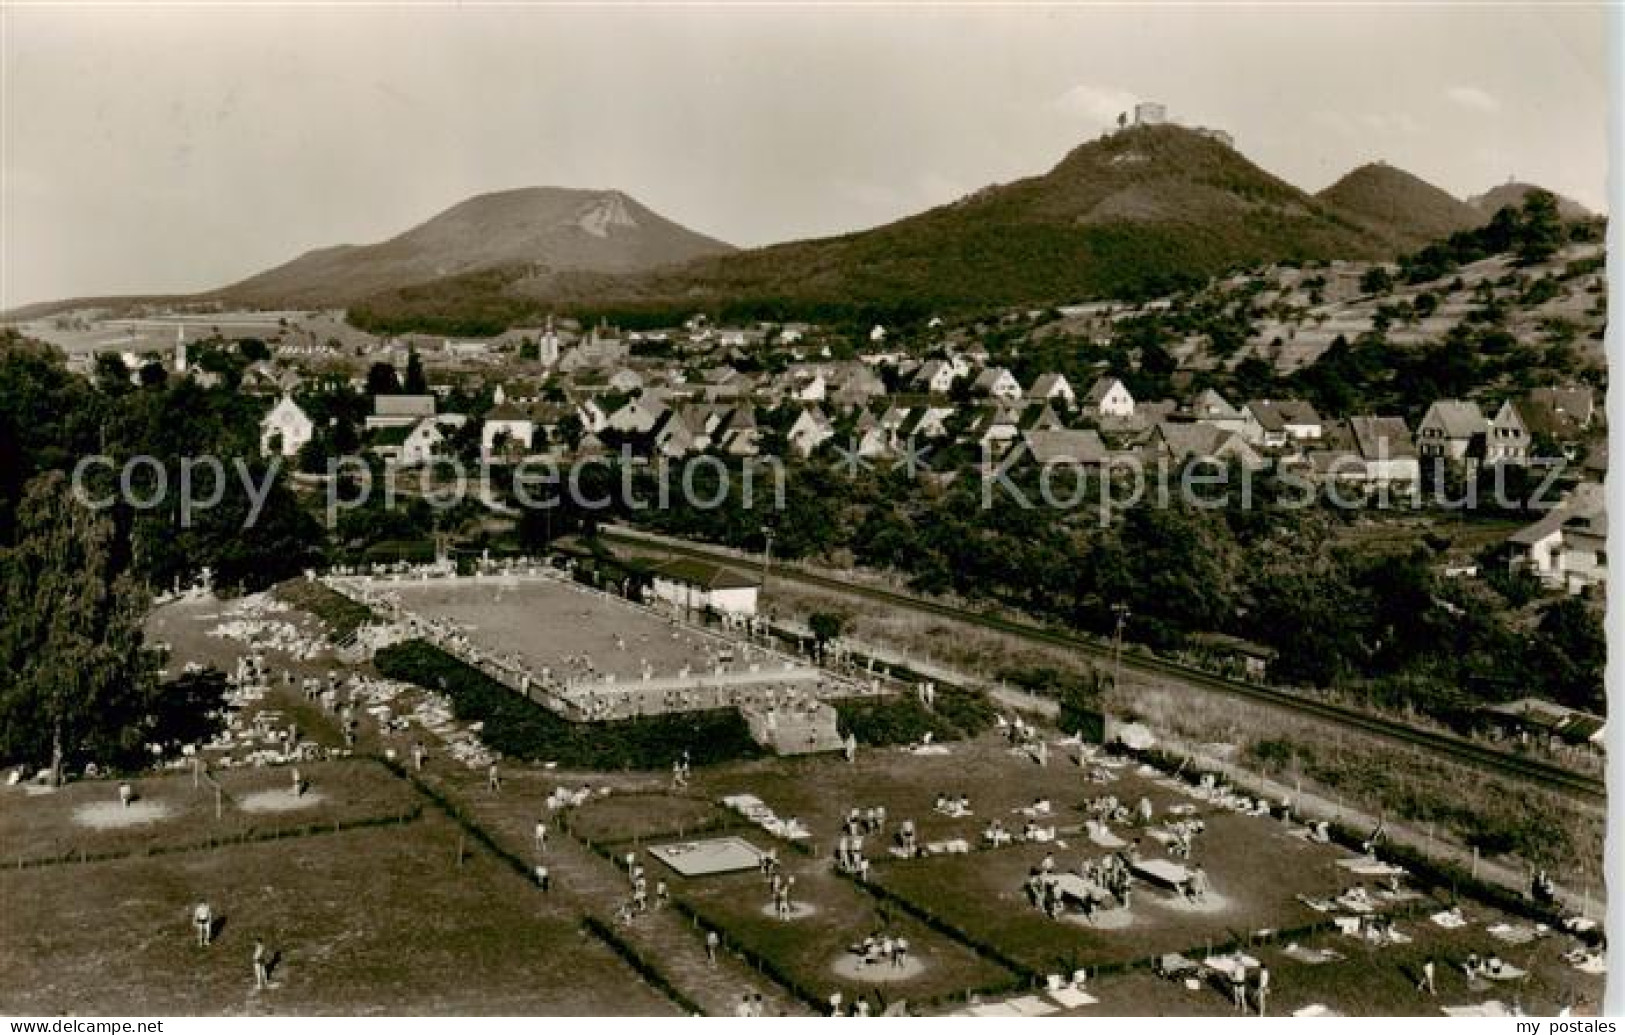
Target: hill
x,y
1512,194
540,228
1130,214
1400,208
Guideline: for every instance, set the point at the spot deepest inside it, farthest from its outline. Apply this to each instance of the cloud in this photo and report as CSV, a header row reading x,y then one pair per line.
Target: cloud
x,y
1474,98
1399,122
1098,104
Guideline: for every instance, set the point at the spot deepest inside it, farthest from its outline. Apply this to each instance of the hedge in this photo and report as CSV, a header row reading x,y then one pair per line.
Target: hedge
x,y
518,728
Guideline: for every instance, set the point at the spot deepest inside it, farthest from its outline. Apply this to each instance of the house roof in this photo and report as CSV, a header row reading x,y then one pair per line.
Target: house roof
x,y
507,411
1457,418
1382,438
1047,383
1078,447
1099,389
403,406
703,574
1276,414
1210,405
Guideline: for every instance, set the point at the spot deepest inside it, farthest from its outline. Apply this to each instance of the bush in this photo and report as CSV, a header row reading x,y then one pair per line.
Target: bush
x,y
882,722
342,615
519,728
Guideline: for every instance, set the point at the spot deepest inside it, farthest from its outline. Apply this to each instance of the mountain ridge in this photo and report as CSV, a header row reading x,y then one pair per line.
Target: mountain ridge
x,y
559,228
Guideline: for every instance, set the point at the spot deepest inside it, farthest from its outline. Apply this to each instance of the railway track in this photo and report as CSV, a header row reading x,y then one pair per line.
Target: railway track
x,y
1543,774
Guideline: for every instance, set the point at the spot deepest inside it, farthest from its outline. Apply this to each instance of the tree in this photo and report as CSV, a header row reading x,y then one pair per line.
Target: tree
x,y
826,626
80,687
382,380
416,383
1376,281
253,350
1540,229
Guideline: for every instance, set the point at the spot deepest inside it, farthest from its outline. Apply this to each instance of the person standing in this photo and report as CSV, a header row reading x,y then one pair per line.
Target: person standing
x,y
203,921
493,779
262,969
711,942
1238,986
544,880
1263,989
541,836
1427,978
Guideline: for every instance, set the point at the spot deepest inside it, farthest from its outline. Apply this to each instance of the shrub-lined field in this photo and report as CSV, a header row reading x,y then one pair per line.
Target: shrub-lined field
x,y
381,921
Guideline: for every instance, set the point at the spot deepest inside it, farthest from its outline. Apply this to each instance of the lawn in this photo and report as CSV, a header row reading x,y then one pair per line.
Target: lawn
x,y
379,921
171,813
1255,868
806,950
1375,982
647,816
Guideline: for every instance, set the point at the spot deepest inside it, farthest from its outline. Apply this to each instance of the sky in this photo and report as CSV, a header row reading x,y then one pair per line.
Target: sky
x,y
176,149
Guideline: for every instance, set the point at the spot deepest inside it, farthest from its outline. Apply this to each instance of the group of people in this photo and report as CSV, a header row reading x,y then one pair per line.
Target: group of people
x,y
880,949
638,881
955,806
204,926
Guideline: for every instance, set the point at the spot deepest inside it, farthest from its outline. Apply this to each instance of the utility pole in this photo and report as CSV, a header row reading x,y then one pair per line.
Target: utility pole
x,y
767,554
767,557
1117,645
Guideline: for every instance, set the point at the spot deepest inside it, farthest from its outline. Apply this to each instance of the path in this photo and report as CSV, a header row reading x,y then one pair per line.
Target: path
x,y
593,886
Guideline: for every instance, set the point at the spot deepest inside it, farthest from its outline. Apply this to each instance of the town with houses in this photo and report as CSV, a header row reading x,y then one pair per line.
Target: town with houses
x,y
1150,588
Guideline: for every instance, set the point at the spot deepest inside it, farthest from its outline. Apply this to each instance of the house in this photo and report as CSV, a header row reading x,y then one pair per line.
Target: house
x,y
1568,547
1212,408
626,381
286,429
1180,442
997,383
510,424
637,416
517,393
740,337
1368,451
1107,397
803,383
737,433
591,414
995,427
935,377
1276,424
1060,447
1507,439
1533,716
399,411
854,385
1452,429
1053,388
1041,417
594,353
416,444
808,431
694,586
672,437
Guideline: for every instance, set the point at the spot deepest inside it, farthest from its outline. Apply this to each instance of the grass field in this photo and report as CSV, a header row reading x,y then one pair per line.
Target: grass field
x,y
381,921
646,817
1255,872
808,949
86,817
